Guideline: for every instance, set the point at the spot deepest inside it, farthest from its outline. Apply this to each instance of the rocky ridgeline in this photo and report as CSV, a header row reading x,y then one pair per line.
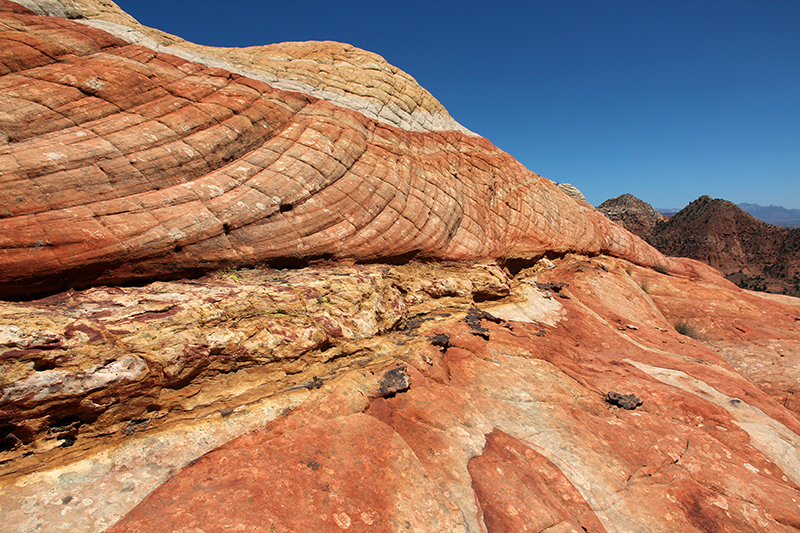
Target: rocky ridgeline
x,y
751,253
529,371
774,214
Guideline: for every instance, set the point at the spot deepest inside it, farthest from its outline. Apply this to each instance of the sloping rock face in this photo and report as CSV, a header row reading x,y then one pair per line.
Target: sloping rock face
x,y
121,162
635,215
340,73
579,392
572,191
749,252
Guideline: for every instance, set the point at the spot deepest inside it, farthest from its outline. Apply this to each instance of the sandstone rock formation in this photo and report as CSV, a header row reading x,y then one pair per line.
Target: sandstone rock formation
x,y
339,395
572,191
122,162
411,397
633,214
749,252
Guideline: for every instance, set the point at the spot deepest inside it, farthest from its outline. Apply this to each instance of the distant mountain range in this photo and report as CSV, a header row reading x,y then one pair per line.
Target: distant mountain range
x,y
772,214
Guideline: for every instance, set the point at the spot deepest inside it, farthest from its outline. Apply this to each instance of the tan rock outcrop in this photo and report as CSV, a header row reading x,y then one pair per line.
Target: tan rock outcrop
x,y
633,214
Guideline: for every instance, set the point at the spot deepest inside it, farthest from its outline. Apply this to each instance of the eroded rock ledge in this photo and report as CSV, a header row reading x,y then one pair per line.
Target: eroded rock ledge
x,y
386,395
101,361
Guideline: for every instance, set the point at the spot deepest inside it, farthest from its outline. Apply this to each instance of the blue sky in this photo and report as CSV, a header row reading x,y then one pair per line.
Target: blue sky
x,y
666,100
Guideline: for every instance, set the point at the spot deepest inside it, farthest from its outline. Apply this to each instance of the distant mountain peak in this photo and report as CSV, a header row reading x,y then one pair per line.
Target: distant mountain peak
x,y
750,252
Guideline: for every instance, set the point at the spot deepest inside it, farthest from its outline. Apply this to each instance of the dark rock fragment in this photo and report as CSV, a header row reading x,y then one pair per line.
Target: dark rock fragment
x,y
626,401
554,287
473,320
394,381
442,341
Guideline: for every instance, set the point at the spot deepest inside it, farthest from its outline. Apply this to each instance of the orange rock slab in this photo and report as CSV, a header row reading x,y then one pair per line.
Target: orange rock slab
x,y
521,490
343,474
508,421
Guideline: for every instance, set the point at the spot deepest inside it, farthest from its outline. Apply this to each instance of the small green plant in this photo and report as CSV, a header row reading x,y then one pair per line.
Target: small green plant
x,y
685,328
232,274
661,269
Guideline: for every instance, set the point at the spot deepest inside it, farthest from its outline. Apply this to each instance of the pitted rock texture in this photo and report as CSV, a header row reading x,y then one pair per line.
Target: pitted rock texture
x,y
122,163
507,430
635,215
510,476
84,364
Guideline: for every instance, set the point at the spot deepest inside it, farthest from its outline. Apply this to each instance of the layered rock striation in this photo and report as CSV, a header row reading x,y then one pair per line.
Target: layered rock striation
x,y
122,162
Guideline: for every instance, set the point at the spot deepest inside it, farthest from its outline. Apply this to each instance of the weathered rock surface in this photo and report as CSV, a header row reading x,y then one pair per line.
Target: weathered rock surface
x,y
121,162
342,74
749,252
573,192
92,362
582,392
428,416
635,215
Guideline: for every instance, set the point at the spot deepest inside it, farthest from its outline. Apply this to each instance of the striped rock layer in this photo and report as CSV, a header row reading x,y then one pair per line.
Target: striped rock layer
x,y
128,154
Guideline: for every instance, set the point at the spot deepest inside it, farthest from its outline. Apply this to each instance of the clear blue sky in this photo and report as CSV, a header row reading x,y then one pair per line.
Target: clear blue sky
x,y
667,100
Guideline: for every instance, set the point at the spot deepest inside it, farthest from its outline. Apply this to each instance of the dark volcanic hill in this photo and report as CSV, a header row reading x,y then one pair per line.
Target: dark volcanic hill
x,y
635,215
749,252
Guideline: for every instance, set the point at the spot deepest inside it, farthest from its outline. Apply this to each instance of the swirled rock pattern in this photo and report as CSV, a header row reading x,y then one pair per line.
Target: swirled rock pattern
x,y
349,394
340,73
120,162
